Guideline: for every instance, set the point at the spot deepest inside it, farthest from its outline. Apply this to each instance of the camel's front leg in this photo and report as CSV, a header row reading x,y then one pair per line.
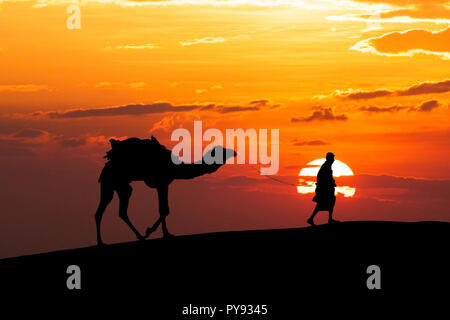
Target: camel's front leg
x,y
163,203
153,228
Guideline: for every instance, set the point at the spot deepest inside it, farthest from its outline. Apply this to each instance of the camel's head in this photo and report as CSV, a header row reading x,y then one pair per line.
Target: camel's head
x,y
218,155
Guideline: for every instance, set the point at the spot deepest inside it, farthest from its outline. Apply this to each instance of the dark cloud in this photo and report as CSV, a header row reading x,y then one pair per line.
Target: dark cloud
x,y
29,133
392,109
224,109
424,107
260,102
367,94
154,108
310,143
254,105
138,109
208,107
323,114
428,106
72,142
425,87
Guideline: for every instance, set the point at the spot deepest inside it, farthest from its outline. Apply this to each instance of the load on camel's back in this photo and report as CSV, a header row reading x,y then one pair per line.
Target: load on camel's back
x,y
135,157
137,150
147,160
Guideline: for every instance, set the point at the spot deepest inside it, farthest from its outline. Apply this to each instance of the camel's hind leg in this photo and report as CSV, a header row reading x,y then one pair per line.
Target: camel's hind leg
x,y
163,201
106,195
124,193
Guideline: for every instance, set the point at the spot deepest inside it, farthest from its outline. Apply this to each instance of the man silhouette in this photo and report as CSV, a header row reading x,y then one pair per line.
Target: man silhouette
x,y
325,185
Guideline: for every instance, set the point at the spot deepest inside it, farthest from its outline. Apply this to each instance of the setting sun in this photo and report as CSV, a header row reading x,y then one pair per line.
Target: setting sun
x,y
307,186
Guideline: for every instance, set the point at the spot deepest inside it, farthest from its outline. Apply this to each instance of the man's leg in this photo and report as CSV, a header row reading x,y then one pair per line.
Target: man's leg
x,y
330,218
311,219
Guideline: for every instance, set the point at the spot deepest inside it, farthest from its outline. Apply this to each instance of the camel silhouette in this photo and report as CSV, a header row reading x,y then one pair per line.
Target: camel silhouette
x,y
147,160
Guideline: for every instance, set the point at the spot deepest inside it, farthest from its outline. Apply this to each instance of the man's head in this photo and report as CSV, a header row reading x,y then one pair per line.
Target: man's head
x,y
330,157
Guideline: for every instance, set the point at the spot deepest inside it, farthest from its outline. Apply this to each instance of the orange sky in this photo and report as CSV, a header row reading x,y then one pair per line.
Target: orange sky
x,y
368,80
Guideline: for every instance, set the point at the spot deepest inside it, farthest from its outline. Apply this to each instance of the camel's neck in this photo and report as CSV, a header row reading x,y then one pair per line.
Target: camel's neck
x,y
191,170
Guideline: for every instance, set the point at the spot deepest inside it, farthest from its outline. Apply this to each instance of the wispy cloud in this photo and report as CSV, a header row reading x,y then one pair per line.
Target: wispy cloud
x,y
381,19
359,94
426,106
392,109
138,109
203,40
133,85
23,87
402,11
136,85
72,142
213,87
425,87
306,4
229,109
22,142
133,46
254,105
154,108
29,133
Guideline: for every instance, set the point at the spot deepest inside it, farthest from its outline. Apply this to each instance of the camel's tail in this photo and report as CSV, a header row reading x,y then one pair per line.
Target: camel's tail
x,y
105,172
100,178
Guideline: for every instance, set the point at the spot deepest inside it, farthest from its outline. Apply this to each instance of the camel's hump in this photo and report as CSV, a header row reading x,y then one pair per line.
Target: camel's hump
x,y
133,148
